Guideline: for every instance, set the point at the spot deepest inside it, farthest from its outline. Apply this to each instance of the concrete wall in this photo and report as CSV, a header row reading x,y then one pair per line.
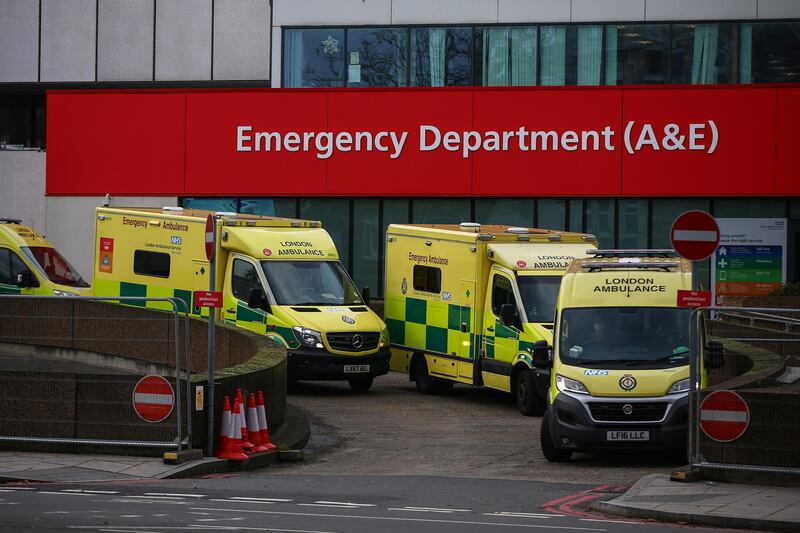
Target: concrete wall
x,y
367,12
133,40
22,180
70,224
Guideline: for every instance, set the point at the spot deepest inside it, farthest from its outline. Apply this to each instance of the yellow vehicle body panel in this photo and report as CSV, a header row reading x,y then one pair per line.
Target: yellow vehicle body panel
x,y
17,239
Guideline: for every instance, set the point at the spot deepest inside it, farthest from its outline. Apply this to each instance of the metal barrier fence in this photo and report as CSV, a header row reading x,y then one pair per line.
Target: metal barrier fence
x,y
745,390
73,368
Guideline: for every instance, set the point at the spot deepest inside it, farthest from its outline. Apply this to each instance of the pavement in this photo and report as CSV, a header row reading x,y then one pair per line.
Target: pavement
x,y
712,503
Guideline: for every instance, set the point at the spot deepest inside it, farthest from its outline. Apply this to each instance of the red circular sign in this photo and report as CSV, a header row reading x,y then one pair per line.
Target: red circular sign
x,y
695,235
267,252
724,416
153,398
210,237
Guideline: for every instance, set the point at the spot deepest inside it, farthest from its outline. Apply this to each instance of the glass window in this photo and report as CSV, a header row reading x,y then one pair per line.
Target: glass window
x,y
539,295
313,58
151,263
427,279
441,210
508,211
441,57
557,56
310,283
665,211
272,207
590,55
640,54
502,293
507,55
600,220
702,53
366,238
575,215
770,52
22,120
334,213
10,267
55,266
211,204
244,279
551,214
377,57
749,208
632,224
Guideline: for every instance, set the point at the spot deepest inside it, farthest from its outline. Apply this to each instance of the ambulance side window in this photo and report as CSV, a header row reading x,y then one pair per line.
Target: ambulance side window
x,y
502,293
244,279
10,266
427,279
151,263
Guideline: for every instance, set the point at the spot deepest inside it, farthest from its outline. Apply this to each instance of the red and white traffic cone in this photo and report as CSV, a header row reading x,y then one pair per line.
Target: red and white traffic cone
x,y
235,451
246,444
253,431
223,448
262,423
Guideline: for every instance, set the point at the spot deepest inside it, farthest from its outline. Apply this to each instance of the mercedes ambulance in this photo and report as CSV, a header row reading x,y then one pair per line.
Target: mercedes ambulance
x,y
29,264
468,303
619,363
279,277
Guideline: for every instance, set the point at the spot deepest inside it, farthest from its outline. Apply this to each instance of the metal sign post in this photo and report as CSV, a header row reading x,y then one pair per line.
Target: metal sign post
x,y
212,282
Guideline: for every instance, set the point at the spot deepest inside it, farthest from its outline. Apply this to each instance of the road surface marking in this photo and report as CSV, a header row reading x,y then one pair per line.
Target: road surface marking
x,y
65,493
269,500
429,510
175,495
155,497
397,519
347,503
92,491
523,515
611,521
196,527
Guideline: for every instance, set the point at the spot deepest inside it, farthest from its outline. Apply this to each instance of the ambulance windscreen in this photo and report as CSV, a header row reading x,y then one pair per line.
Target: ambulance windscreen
x,y
310,283
539,295
622,337
56,268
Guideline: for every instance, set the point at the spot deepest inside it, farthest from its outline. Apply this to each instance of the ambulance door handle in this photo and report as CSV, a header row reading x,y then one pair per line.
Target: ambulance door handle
x,y
490,328
463,327
230,310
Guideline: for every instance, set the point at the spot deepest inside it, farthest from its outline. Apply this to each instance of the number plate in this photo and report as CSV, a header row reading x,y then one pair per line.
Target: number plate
x,y
628,435
355,369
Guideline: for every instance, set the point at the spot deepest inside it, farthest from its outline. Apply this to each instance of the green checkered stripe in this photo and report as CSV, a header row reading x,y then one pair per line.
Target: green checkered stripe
x,y
431,326
507,338
125,289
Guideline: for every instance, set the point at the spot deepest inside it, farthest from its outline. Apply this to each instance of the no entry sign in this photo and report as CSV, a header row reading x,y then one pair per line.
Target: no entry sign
x,y
153,398
724,416
695,235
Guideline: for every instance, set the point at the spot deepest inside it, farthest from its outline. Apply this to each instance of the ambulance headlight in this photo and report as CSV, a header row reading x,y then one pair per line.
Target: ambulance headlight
x,y
570,385
308,337
384,338
63,293
679,386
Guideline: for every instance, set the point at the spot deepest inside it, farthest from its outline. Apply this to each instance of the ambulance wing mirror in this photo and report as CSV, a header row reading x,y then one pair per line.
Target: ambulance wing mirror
x,y
714,356
26,279
258,300
365,295
541,354
507,312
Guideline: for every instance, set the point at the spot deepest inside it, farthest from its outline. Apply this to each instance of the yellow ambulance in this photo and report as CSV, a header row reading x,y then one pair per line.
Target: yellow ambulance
x,y
29,264
279,277
620,359
466,303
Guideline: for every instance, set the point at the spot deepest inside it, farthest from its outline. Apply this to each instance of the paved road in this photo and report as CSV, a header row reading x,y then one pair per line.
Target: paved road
x,y
303,503
473,432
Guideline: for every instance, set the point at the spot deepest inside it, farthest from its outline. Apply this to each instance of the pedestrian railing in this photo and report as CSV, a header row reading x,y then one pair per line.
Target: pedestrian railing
x,y
745,390
74,371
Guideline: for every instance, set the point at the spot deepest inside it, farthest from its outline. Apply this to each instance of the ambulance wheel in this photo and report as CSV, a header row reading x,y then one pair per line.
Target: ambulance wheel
x,y
427,384
549,450
361,384
528,400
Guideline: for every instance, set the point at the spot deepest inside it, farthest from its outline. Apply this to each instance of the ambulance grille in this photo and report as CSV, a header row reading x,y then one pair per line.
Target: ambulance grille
x,y
639,411
345,342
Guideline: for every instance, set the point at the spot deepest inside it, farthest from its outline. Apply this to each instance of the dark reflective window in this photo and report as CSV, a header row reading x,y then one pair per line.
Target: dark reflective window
x,y
770,52
557,55
506,55
377,57
313,58
637,54
22,120
703,53
441,57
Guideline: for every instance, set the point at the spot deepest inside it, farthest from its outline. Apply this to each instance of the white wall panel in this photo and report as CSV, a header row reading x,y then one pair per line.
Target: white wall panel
x,y
533,10
183,40
19,40
70,224
607,10
22,179
700,9
777,9
68,40
444,11
241,40
329,12
125,40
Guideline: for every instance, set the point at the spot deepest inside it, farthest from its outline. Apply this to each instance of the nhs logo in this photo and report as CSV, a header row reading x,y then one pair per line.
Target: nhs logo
x,y
176,240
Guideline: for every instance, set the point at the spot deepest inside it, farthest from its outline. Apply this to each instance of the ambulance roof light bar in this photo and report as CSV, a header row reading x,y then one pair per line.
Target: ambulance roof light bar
x,y
663,252
604,265
470,226
10,221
